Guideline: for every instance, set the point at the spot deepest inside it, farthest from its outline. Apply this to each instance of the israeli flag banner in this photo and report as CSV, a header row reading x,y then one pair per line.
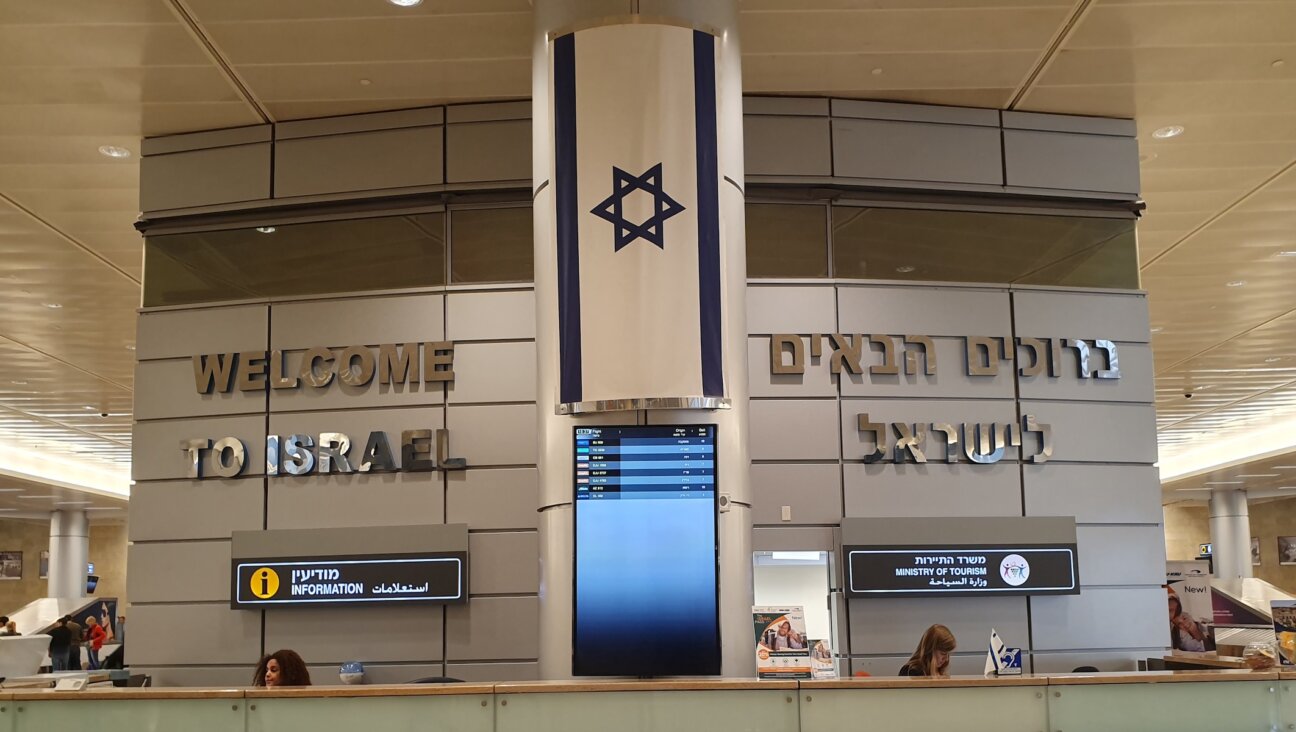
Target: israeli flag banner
x,y
637,217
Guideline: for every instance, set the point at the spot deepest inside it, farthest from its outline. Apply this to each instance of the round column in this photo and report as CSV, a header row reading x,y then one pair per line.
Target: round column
x,y
1230,527
554,433
69,551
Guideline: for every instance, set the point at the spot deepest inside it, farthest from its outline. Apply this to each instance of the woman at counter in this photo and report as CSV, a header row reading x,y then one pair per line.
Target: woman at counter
x,y
932,656
281,668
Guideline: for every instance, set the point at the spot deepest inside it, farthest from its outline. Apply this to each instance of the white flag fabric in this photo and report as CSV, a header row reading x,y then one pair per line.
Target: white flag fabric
x,y
637,220
996,650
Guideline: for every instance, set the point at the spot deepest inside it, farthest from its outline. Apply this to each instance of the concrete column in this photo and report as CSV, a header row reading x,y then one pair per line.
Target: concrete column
x,y
69,551
1230,527
555,432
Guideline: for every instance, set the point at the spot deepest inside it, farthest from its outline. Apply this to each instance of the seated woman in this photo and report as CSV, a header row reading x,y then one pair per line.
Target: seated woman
x,y
932,656
281,668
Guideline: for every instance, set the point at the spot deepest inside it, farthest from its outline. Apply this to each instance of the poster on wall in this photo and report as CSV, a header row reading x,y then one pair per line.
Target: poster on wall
x,y
1255,551
1287,550
44,565
782,649
1191,614
1284,622
10,565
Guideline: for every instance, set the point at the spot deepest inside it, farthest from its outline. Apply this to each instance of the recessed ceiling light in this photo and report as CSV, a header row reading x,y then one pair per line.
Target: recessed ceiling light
x,y
876,72
365,82
405,3
1287,253
1282,467
266,229
1165,133
1273,359
905,268
53,305
1157,329
130,346
112,151
18,383
1259,475
12,490
89,406
36,498
1277,63
1223,482
1236,283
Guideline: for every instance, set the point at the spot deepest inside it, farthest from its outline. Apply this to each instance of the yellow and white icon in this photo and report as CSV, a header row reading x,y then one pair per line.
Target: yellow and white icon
x,y
264,583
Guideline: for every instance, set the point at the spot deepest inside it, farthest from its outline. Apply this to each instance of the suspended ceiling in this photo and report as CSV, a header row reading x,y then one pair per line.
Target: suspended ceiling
x,y
79,74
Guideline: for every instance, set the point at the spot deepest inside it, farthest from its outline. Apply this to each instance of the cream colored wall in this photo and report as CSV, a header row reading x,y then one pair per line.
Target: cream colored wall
x,y
31,537
1186,526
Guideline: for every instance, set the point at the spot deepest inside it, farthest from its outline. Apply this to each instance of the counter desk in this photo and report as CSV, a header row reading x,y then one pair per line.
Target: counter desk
x,y
1175,701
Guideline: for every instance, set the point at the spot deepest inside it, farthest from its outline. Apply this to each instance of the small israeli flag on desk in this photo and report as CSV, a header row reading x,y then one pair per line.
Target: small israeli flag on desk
x,y
1002,660
637,215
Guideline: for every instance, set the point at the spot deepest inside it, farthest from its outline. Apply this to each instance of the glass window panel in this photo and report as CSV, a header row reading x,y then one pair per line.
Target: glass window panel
x,y
356,255
965,246
787,240
491,245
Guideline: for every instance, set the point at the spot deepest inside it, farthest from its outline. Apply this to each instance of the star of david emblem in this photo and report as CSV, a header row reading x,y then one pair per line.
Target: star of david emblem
x,y
611,208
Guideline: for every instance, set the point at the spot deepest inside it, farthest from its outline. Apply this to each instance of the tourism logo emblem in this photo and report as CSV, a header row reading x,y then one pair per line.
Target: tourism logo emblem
x,y
1015,570
264,583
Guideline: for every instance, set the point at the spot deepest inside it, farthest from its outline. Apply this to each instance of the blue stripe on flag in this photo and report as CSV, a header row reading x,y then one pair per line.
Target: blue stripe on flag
x,y
708,212
569,324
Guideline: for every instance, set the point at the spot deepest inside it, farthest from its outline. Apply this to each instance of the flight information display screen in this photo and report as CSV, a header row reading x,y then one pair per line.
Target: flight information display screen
x,y
647,570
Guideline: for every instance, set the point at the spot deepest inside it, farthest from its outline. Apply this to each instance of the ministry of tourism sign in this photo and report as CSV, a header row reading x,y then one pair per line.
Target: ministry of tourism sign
x,y
961,570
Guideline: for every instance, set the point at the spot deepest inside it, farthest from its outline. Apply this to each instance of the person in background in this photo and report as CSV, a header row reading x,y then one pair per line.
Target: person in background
x,y
95,635
74,644
281,668
60,637
932,656
4,620
10,628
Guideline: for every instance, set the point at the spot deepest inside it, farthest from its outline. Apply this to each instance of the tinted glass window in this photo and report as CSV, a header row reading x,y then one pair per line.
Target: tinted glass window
x,y
491,245
787,240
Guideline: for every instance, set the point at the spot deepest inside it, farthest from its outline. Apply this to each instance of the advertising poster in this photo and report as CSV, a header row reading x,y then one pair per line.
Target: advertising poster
x,y
11,565
1284,622
1191,613
821,660
782,649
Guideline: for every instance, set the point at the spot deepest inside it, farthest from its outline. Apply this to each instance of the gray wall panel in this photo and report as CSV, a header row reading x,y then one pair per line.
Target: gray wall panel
x,y
817,381
488,151
1054,662
195,509
494,671
1093,493
335,635
187,571
505,563
357,424
205,177
1101,618
156,453
802,106
961,663
1121,555
379,673
787,146
1071,161
378,499
925,411
938,153
1097,432
793,429
1121,318
185,333
352,123
218,677
774,309
1069,123
490,628
793,538
194,635
494,372
480,316
493,435
1134,385
950,379
894,625
934,489
357,321
915,112
929,311
488,111
813,492
358,161
172,393
493,499
206,140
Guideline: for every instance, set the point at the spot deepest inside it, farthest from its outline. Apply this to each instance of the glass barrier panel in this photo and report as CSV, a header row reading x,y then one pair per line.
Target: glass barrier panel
x,y
466,713
128,715
756,710
976,709
1211,706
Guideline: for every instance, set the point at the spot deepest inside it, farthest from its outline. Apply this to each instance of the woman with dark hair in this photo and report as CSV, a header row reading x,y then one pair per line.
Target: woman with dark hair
x,y
281,668
932,656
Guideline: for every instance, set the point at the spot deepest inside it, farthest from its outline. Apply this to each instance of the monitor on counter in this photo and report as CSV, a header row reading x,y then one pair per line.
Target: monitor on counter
x,y
646,584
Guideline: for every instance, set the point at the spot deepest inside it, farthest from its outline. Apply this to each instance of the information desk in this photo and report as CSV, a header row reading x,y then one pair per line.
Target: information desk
x,y
1183,701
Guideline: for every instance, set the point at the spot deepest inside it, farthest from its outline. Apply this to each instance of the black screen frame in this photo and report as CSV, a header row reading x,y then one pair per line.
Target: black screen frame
x,y
715,528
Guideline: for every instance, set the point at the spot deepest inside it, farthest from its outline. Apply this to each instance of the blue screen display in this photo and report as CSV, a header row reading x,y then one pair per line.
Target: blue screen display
x,y
646,600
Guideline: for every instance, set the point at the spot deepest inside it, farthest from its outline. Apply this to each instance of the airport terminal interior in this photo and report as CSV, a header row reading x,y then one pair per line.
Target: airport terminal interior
x,y
674,364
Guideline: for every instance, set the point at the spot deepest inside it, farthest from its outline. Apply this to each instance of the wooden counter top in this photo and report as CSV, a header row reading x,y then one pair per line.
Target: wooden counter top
x,y
567,687
1209,661
1161,677
923,682
367,690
